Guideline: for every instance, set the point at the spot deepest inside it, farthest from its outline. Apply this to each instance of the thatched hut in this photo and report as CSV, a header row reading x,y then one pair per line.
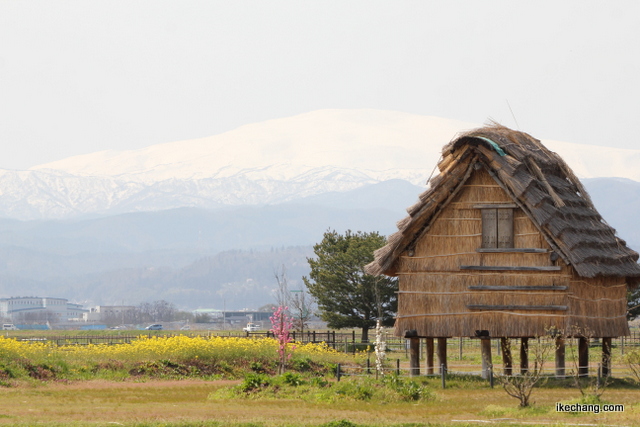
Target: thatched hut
x,y
506,243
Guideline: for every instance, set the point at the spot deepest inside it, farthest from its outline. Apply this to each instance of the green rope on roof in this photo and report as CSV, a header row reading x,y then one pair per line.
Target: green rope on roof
x,y
494,145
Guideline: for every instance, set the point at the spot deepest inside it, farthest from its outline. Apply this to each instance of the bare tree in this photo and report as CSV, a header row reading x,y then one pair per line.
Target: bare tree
x,y
633,361
157,311
164,310
521,386
302,306
591,388
282,292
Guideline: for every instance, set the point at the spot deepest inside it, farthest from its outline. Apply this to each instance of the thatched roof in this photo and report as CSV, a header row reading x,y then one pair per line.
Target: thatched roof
x,y
540,183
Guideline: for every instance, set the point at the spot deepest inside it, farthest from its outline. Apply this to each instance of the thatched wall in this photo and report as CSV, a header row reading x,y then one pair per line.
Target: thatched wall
x,y
437,298
597,306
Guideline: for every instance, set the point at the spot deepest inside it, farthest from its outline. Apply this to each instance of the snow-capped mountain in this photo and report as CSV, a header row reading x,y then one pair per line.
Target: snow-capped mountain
x,y
263,163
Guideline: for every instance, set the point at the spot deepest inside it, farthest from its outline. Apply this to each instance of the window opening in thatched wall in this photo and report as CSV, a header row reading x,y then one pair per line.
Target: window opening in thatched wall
x,y
497,228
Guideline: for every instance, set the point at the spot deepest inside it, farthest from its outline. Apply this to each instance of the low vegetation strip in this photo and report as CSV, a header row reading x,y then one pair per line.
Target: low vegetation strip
x,y
175,356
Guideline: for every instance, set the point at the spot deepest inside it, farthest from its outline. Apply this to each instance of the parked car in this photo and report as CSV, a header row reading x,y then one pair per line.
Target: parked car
x,y
9,327
251,327
154,327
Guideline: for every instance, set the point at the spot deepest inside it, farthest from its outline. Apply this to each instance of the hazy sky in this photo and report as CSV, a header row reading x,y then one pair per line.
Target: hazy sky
x,y
82,76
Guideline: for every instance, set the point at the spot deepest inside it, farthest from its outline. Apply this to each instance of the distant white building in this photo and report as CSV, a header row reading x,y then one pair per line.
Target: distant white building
x,y
20,309
75,311
102,313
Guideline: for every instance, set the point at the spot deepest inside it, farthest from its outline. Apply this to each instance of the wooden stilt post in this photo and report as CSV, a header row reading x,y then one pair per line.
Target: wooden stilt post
x,y
560,353
606,356
485,350
524,355
583,357
429,356
507,360
442,354
414,356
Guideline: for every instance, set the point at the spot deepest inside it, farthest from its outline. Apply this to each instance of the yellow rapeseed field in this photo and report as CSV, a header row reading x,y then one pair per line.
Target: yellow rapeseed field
x,y
231,350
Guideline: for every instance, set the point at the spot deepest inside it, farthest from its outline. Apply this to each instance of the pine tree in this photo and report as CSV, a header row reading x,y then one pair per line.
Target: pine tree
x,y
346,296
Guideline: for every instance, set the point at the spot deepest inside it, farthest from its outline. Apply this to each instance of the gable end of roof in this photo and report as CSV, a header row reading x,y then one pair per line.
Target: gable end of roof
x,y
539,182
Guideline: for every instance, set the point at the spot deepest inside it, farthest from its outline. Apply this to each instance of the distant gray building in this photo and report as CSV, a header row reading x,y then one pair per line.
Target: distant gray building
x,y
29,309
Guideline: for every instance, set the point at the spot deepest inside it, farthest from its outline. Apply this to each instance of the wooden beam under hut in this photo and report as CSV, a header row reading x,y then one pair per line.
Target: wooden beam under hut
x,y
442,354
485,350
560,357
414,356
429,349
414,351
507,359
583,357
524,355
606,356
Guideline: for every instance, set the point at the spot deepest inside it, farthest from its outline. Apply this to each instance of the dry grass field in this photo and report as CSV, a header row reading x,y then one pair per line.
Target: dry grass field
x,y
189,402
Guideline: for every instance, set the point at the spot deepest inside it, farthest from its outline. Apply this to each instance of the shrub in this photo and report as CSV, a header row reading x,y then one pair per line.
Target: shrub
x,y
408,389
301,365
318,382
254,382
291,378
339,423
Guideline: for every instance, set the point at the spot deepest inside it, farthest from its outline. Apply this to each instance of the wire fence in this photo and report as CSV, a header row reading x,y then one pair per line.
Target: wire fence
x,y
492,375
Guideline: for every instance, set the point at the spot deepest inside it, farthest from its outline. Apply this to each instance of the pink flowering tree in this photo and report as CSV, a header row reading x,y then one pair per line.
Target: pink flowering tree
x,y
282,323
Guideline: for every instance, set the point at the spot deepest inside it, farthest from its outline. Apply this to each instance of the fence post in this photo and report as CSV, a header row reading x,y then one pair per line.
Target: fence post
x,y
443,375
338,372
397,366
368,365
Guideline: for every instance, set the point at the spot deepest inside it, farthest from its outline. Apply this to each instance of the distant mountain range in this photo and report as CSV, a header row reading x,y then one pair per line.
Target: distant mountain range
x,y
205,223
272,162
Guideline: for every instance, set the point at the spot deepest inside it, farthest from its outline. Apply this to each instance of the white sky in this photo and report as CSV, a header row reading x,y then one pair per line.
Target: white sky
x,y
82,76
